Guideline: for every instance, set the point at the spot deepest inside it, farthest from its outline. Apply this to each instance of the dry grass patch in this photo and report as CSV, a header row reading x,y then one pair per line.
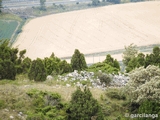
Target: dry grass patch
x,y
13,100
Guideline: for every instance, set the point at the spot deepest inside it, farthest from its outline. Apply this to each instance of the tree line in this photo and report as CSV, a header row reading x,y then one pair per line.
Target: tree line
x,y
142,90
13,61
132,59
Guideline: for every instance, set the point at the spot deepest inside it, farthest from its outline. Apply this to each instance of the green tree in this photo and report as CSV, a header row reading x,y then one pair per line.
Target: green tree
x,y
19,62
156,55
140,60
83,106
51,65
26,63
153,58
7,69
136,62
148,59
8,59
131,65
129,53
78,61
37,70
64,67
55,58
110,61
42,2
56,66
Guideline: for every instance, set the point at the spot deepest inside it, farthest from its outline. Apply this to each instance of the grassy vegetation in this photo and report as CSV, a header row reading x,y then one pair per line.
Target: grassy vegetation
x,y
20,96
64,8
10,26
19,30
7,16
49,99
7,28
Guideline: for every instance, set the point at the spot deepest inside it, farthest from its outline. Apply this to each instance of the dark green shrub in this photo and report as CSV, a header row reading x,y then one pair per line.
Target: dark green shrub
x,y
104,78
116,95
104,67
85,82
64,67
8,60
2,104
83,106
37,70
112,62
78,61
26,63
149,107
7,69
47,104
35,116
44,98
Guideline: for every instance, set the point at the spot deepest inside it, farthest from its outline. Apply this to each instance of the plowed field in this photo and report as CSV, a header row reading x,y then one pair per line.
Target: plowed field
x,y
92,30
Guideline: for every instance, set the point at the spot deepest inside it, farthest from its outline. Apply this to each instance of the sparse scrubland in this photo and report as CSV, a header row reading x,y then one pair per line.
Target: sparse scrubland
x,y
32,89
52,89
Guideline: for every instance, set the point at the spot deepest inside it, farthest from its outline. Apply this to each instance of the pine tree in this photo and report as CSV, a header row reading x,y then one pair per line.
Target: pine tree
x,y
7,69
78,61
112,62
153,58
19,62
8,58
51,65
64,67
37,70
83,106
109,60
140,60
26,63
156,55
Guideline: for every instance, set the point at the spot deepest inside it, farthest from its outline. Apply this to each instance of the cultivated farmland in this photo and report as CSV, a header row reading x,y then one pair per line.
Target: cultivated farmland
x,y
92,30
7,29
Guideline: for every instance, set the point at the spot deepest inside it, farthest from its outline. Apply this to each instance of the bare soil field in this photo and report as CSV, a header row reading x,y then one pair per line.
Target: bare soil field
x,y
92,30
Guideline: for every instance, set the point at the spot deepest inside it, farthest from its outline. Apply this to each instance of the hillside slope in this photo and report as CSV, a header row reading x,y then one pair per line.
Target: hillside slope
x,y
92,30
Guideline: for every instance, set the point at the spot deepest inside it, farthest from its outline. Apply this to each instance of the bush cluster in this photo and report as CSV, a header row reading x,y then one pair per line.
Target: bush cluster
x,y
47,106
132,59
84,107
109,65
104,78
